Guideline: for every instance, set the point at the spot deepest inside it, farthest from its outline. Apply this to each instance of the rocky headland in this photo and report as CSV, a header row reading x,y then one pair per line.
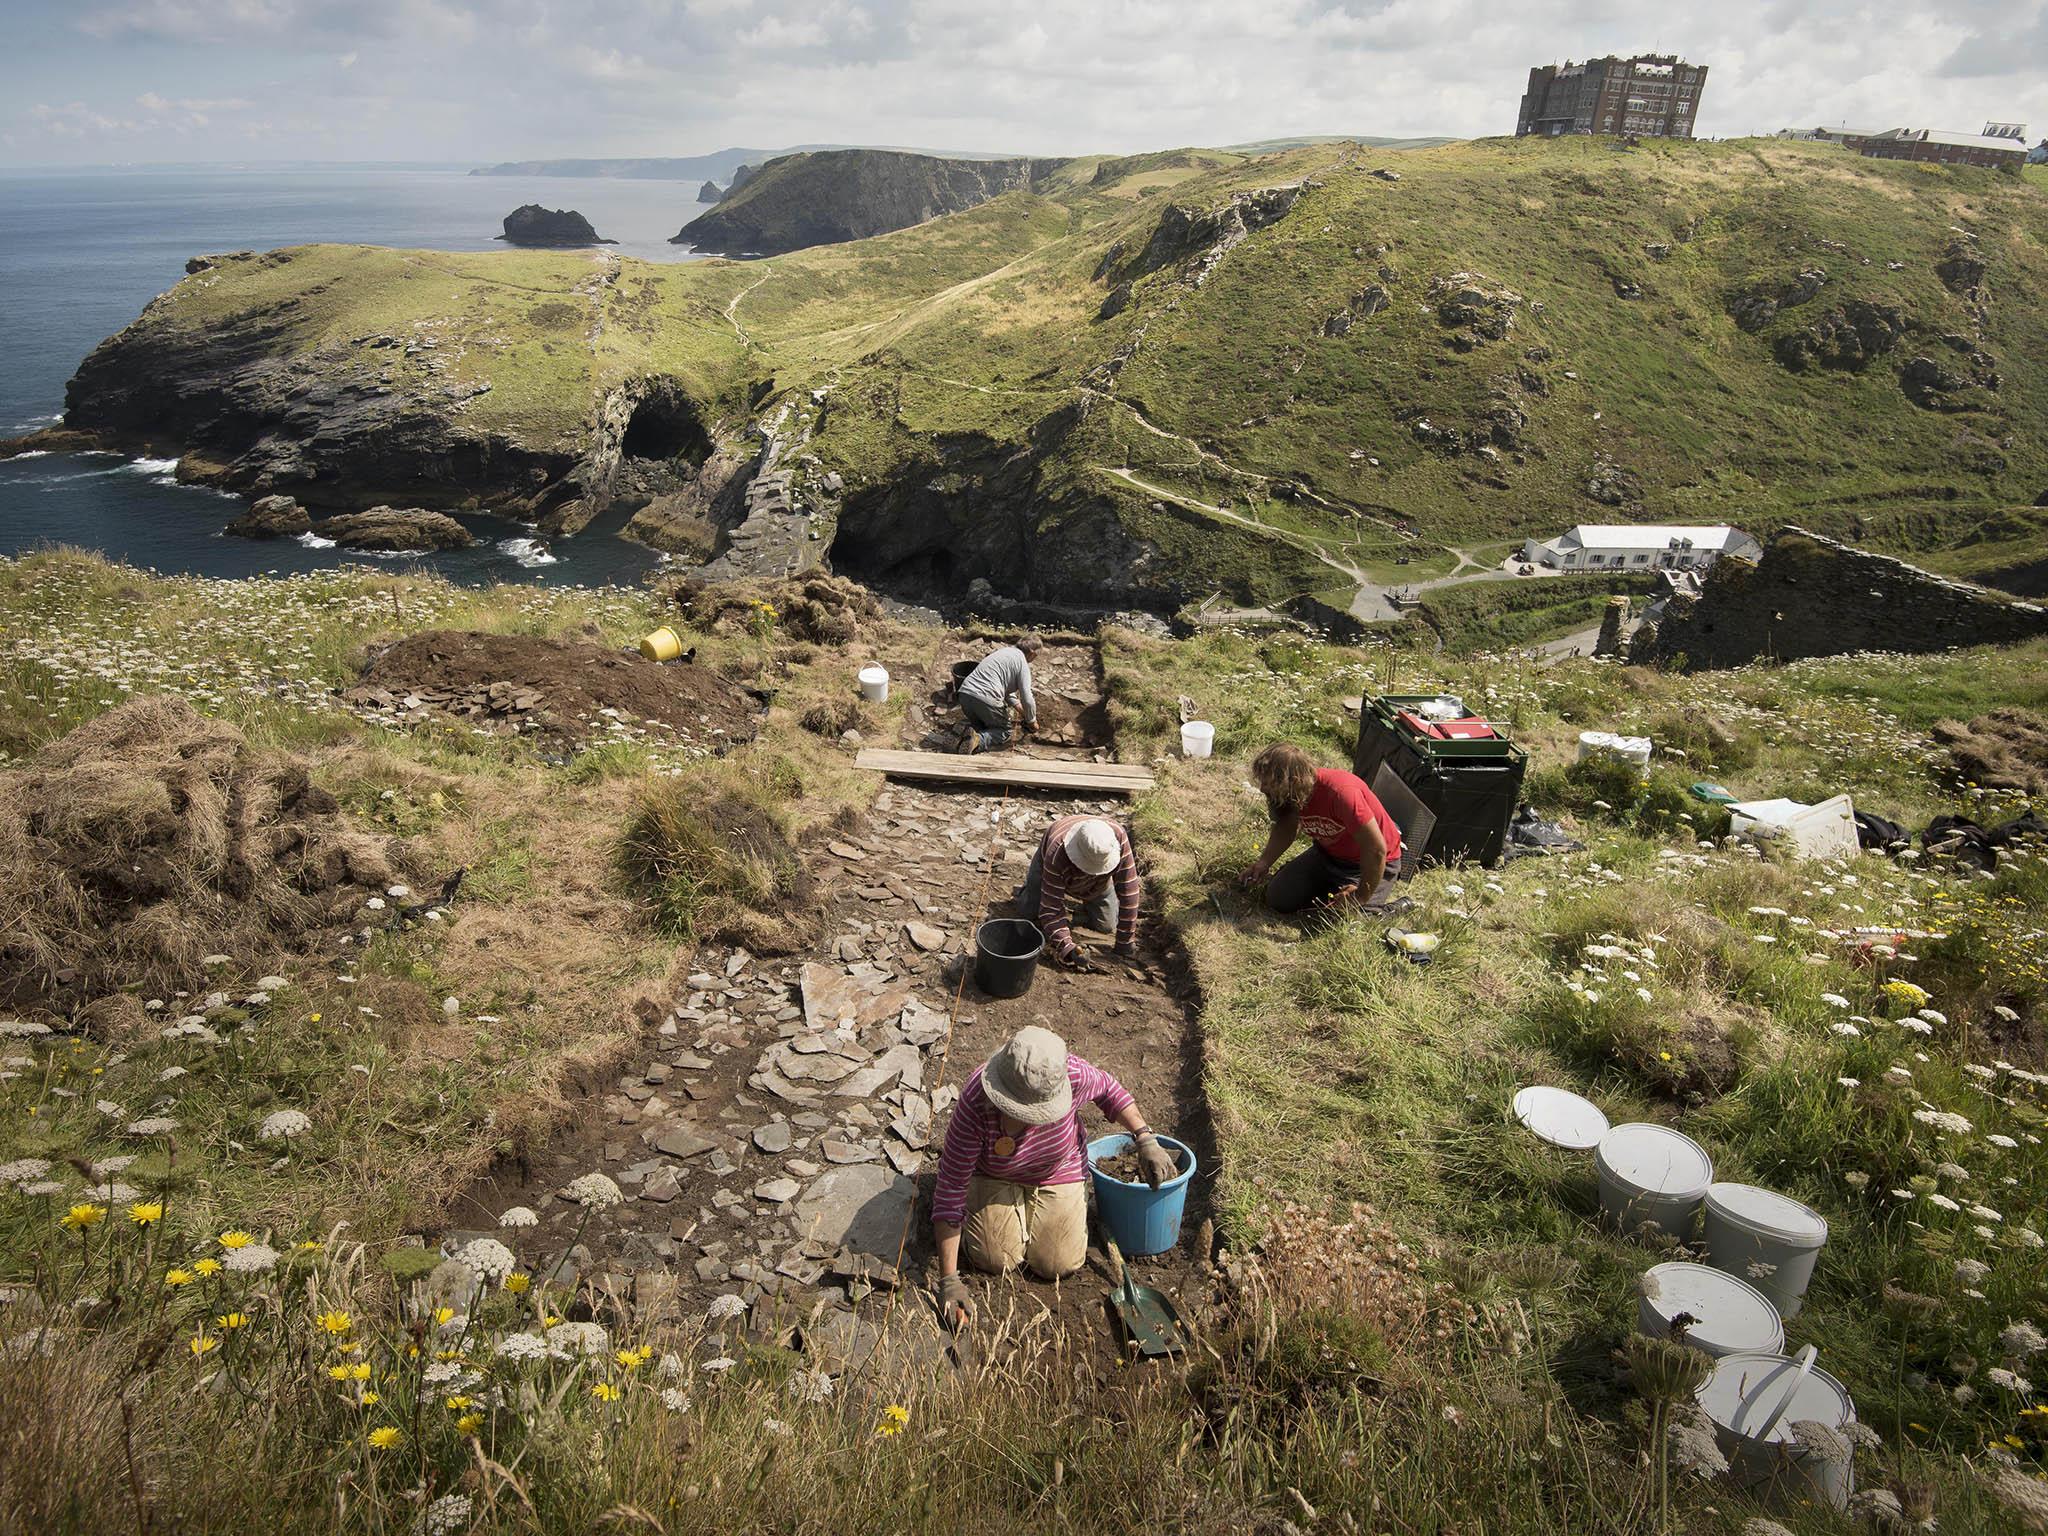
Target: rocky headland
x,y
848,194
531,224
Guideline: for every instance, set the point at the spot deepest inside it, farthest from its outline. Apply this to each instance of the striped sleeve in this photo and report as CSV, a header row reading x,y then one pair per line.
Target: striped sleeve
x,y
1095,1086
965,1133
1129,892
1054,870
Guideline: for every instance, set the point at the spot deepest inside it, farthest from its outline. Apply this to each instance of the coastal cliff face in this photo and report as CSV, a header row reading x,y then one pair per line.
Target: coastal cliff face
x,y
849,194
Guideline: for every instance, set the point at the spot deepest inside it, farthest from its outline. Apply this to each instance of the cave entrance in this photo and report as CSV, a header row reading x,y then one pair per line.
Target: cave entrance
x,y
664,427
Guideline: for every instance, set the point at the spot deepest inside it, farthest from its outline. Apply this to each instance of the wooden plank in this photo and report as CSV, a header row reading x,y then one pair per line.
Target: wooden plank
x,y
1009,768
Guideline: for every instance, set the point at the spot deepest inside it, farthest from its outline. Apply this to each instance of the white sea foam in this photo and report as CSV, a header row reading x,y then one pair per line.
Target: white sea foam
x,y
314,541
528,552
153,466
33,453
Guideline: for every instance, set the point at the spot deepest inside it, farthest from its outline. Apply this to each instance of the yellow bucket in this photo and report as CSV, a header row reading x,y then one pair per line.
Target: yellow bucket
x,y
663,645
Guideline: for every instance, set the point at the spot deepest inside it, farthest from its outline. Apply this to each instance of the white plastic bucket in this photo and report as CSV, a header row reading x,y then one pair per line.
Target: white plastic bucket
x,y
1754,1400
1726,1316
1650,1173
1634,749
1765,1238
874,684
1197,738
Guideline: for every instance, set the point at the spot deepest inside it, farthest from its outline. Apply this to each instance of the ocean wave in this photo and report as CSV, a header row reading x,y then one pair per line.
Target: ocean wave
x,y
314,541
33,453
152,466
528,552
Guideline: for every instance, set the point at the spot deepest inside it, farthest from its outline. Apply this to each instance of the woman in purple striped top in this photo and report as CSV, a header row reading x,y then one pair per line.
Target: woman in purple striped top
x,y
1011,1184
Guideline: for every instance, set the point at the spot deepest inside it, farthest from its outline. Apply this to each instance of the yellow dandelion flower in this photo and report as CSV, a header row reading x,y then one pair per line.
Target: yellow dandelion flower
x,y
315,1018
384,1436
176,1277
368,1400
633,1359
143,1212
359,1371
335,1322
445,1355
444,1315
232,1320
79,1217
470,1423
308,1246
604,1392
894,1417
518,1284
236,1239
337,1373
201,1343
1663,1055
460,1401
206,1266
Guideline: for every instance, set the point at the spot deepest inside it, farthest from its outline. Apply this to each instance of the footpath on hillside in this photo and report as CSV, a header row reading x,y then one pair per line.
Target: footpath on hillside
x,y
777,1134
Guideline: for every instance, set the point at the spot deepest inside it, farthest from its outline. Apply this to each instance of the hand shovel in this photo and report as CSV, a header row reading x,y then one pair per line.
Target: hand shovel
x,y
1143,1316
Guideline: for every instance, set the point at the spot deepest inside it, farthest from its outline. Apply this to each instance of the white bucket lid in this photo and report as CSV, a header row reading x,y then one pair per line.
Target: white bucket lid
x,y
873,674
1768,1214
1656,1159
1730,1315
1561,1118
1746,1389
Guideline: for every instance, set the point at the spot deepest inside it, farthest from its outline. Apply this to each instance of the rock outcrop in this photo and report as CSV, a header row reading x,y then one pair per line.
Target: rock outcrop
x,y
710,192
832,196
1812,596
394,531
532,224
271,517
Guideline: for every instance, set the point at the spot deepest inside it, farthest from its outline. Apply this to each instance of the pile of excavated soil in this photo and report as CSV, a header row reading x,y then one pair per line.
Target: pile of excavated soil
x,y
151,838
825,610
2006,749
569,691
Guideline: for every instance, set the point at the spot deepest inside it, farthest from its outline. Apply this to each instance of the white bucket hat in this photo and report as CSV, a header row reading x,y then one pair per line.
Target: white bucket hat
x,y
1027,1078
1093,848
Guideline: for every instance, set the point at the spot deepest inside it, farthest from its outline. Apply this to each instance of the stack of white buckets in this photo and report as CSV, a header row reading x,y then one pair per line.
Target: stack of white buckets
x,y
1761,1248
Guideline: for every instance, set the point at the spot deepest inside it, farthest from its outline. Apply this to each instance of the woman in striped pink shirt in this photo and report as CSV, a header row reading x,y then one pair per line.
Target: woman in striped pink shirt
x,y
1011,1186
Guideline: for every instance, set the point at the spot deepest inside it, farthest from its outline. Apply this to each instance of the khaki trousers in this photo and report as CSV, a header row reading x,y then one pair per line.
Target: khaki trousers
x,y
1044,1227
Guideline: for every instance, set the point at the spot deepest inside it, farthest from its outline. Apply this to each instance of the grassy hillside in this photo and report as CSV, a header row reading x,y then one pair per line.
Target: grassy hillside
x,y
1439,1357
1510,336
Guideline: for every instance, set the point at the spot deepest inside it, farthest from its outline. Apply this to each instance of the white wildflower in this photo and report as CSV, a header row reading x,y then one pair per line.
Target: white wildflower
x,y
1942,1202
153,1125
487,1258
23,1170
1850,1082
1943,1120
1834,999
2011,1381
2022,1339
250,1259
776,1428
579,1338
722,1363
446,1515
522,1346
284,1125
519,1216
675,1399
1971,1271
722,1307
1845,1029
2001,1141
594,1192
810,1386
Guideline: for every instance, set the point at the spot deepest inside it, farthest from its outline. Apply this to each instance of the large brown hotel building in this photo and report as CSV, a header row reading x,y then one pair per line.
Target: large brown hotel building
x,y
1653,95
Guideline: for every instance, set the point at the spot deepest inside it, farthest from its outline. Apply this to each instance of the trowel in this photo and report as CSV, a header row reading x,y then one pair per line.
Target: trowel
x,y
1144,1317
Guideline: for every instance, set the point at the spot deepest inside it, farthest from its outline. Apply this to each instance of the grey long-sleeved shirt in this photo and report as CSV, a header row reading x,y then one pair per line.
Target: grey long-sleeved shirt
x,y
1003,671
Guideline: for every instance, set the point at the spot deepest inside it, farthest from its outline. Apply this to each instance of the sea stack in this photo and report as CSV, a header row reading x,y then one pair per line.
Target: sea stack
x,y
535,225
709,192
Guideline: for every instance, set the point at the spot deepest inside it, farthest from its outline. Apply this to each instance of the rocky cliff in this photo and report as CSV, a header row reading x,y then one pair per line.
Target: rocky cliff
x,y
531,224
710,192
1812,596
848,194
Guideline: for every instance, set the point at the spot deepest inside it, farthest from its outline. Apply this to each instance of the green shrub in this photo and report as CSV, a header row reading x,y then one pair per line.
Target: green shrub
x,y
714,859
1289,1367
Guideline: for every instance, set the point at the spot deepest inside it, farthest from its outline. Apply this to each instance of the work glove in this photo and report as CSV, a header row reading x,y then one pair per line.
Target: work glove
x,y
956,1307
1156,1162
1077,960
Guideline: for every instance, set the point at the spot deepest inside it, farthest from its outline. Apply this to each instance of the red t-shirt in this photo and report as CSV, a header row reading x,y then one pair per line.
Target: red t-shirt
x,y
1337,807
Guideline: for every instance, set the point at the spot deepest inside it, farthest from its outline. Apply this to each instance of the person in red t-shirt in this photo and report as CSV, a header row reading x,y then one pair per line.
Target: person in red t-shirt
x,y
1354,854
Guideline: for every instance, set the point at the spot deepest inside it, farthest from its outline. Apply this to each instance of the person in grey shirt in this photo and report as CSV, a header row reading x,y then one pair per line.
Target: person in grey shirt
x,y
984,695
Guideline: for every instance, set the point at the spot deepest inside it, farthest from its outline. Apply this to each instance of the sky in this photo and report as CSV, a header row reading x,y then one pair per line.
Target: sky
x,y
85,82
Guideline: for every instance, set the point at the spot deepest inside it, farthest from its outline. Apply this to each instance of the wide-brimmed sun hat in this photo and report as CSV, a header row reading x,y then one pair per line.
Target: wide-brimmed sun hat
x,y
1093,848
1027,1078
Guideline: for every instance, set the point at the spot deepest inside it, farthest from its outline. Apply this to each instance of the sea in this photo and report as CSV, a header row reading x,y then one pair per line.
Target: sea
x,y
82,251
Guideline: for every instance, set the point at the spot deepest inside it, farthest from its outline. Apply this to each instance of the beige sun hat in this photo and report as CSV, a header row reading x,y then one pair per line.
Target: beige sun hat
x,y
1093,848
1027,1078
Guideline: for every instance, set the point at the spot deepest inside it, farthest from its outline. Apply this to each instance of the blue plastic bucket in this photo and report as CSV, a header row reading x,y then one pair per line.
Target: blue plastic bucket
x,y
1140,1218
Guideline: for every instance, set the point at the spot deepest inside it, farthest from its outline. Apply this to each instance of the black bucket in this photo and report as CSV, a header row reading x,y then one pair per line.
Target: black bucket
x,y
1006,951
962,670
